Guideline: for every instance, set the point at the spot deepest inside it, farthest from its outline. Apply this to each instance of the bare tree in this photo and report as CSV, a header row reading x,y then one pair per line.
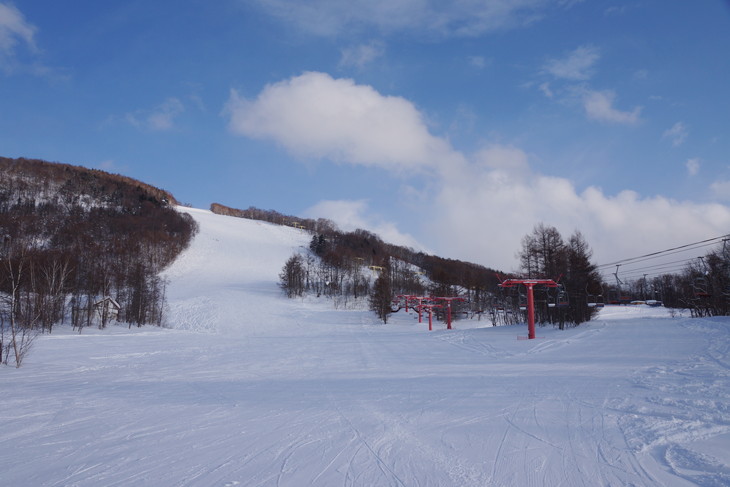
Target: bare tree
x,y
292,277
55,276
21,334
381,296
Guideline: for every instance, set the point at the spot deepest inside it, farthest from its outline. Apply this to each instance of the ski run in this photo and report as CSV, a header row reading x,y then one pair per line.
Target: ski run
x,y
248,388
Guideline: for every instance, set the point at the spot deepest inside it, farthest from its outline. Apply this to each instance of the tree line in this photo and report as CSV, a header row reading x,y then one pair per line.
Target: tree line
x,y
546,254
336,261
338,257
344,265
349,265
81,246
703,286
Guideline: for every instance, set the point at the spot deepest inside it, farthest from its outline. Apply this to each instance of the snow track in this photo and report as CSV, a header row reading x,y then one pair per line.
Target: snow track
x,y
251,389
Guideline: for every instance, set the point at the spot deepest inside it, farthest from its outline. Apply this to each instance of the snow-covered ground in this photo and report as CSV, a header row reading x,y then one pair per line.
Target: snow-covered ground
x,y
248,388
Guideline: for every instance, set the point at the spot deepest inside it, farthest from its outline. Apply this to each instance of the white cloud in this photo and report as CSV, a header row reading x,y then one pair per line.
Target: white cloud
x,y
641,74
314,115
615,10
350,215
479,62
162,117
570,74
678,133
362,55
478,206
159,119
721,190
545,88
693,166
507,160
107,165
599,106
464,18
491,211
14,31
110,165
576,66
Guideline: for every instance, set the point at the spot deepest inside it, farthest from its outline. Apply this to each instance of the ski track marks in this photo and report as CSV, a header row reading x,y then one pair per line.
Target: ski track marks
x,y
686,405
251,389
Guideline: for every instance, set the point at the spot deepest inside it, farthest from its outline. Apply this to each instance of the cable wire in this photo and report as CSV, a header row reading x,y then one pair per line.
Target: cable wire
x,y
652,270
682,248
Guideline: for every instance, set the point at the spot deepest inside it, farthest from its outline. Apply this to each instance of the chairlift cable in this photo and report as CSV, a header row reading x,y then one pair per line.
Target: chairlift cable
x,y
656,269
668,269
682,248
663,264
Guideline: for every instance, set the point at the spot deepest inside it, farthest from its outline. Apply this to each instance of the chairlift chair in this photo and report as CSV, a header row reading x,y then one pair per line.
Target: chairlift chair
x,y
596,301
594,297
562,299
613,297
558,297
552,301
700,286
521,299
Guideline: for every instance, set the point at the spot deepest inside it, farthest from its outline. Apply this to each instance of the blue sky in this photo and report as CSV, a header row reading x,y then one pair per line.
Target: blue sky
x,y
449,126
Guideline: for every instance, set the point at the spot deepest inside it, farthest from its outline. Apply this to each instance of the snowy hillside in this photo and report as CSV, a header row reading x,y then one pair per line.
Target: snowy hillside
x,y
248,388
227,279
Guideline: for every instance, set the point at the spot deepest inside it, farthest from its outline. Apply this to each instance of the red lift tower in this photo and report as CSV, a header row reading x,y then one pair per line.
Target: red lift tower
x,y
405,298
420,306
448,301
429,308
529,284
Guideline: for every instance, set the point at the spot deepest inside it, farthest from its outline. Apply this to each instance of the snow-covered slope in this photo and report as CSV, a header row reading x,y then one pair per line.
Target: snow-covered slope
x,y
227,280
252,389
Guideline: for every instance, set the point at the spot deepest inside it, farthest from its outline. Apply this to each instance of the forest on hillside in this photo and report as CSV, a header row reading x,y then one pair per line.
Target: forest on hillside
x,y
86,247
81,246
350,265
341,258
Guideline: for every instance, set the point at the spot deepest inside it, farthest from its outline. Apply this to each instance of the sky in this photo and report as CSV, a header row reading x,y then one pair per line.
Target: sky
x,y
449,127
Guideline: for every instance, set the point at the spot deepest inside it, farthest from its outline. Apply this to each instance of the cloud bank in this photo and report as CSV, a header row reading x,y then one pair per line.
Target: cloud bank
x,y
481,204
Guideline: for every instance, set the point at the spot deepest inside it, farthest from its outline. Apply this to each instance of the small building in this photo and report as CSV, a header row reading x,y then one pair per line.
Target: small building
x,y
107,308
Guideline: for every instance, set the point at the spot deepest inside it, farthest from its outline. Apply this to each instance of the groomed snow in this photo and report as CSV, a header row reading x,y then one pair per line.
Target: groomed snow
x,y
248,388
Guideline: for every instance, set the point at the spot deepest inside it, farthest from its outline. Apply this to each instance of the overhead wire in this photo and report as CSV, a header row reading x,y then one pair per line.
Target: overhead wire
x,y
652,270
675,250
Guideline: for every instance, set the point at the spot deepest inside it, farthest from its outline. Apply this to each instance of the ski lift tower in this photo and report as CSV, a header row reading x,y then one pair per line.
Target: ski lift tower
x,y
529,284
429,308
406,298
448,301
418,307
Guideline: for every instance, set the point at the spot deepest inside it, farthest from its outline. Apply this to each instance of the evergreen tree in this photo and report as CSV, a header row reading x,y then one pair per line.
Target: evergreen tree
x,y
545,255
